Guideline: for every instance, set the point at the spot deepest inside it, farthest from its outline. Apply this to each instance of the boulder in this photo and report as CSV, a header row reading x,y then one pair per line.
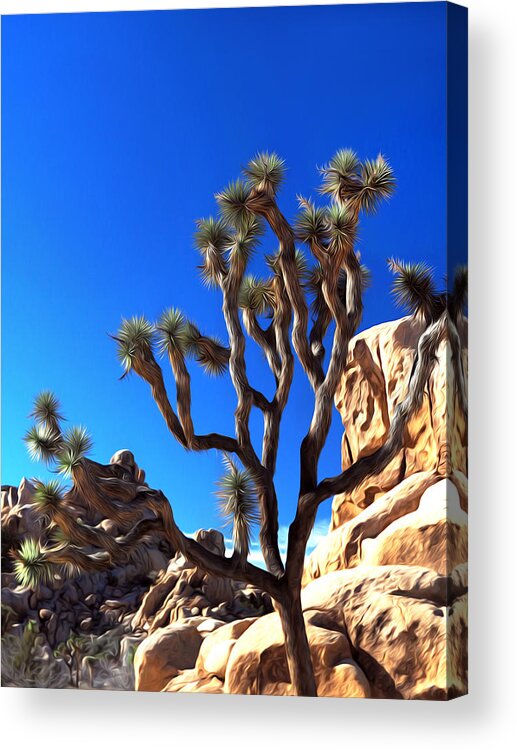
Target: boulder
x,y
435,535
398,621
217,647
374,382
162,655
342,547
418,522
258,664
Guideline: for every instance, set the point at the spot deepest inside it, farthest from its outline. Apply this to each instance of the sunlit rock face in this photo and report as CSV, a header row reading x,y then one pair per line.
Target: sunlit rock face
x,y
373,384
412,517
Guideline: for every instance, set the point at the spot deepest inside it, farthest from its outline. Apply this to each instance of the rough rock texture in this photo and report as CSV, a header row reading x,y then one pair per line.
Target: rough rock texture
x,y
182,591
374,382
87,617
96,621
164,653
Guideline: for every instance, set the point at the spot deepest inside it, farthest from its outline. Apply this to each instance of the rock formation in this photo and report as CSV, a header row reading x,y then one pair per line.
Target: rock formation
x,y
84,629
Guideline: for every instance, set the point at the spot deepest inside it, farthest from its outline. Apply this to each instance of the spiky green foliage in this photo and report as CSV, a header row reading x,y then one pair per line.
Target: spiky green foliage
x,y
212,233
266,171
76,445
172,332
413,287
47,409
32,567
208,351
134,338
341,223
378,183
48,496
233,202
256,295
213,238
341,176
246,239
238,503
312,223
43,443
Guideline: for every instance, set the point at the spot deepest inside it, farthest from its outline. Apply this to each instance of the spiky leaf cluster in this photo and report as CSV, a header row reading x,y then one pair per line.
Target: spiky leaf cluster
x,y
256,295
312,223
378,183
77,443
266,171
32,567
238,503
234,203
44,439
341,223
246,239
342,175
47,497
135,338
172,332
413,287
43,443
47,410
213,239
366,184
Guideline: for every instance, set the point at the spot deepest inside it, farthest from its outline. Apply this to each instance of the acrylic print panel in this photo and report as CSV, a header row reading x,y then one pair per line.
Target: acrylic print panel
x,y
234,247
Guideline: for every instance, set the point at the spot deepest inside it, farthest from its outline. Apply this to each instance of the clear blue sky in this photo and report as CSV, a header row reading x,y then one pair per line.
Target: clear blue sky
x,y
117,130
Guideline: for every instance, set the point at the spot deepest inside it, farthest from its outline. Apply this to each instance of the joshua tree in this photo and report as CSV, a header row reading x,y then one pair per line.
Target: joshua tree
x,y
303,305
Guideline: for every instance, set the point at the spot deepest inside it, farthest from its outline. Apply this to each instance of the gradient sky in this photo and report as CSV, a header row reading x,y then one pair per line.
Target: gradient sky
x,y
118,128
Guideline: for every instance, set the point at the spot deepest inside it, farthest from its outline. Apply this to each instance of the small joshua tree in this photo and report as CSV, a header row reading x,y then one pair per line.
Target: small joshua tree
x,y
301,305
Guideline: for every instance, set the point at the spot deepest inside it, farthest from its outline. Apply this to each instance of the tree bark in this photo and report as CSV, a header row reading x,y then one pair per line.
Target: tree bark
x,y
297,648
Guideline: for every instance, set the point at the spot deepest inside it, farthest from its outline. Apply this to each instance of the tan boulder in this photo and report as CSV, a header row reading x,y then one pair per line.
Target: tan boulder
x,y
258,664
373,384
342,547
217,647
435,535
396,618
345,680
162,655
189,681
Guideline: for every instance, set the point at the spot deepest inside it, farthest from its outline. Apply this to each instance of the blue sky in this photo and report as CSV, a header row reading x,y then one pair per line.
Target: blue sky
x,y
118,128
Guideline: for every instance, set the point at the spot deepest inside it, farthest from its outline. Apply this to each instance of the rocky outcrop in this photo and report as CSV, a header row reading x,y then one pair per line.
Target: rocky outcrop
x,y
85,617
87,627
183,591
373,384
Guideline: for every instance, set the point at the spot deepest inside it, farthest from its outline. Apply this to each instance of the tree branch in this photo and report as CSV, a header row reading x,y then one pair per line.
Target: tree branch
x,y
227,567
265,205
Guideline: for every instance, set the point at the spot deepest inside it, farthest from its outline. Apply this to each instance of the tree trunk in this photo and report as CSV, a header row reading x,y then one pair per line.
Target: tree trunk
x,y
297,645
